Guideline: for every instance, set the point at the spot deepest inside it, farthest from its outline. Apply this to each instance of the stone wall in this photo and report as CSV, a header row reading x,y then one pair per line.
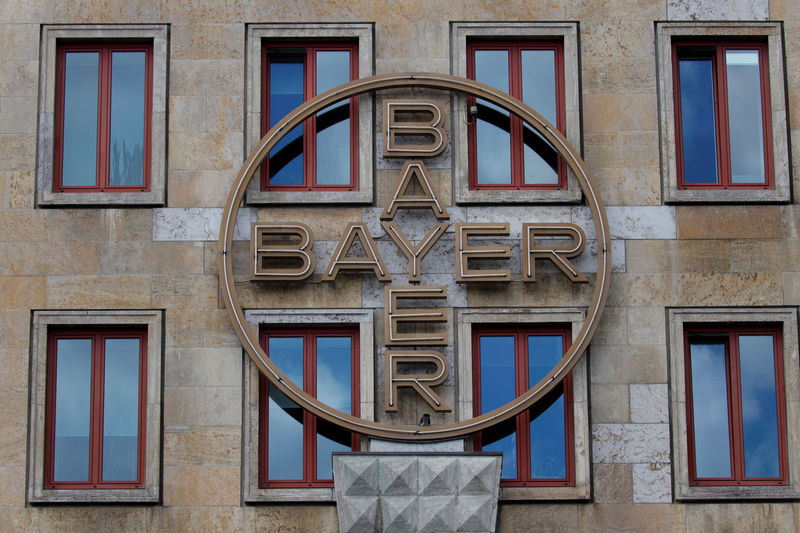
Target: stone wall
x,y
165,257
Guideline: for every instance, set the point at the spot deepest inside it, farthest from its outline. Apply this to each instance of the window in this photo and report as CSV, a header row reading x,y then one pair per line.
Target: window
x,y
95,413
504,152
103,111
329,158
722,117
722,111
735,405
96,383
538,63
295,446
102,115
734,409
506,363
320,153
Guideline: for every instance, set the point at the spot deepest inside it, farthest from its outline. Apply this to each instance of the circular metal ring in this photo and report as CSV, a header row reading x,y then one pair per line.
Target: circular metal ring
x,y
249,337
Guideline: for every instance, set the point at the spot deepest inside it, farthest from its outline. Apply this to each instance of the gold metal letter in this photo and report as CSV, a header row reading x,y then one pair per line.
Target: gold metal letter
x,y
395,315
421,383
428,198
393,127
414,254
272,249
371,261
556,254
465,252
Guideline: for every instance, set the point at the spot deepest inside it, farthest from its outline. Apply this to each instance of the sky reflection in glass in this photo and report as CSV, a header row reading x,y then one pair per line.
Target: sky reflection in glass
x,y
547,430
697,121
333,122
759,406
539,92
121,410
79,162
493,140
73,407
126,165
498,388
744,116
710,408
285,94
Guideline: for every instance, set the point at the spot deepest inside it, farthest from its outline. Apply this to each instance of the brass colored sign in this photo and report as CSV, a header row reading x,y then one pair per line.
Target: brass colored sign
x,y
394,126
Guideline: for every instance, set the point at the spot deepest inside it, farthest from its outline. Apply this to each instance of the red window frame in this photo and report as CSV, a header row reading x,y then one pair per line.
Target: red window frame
x,y
309,478
105,51
729,335
308,51
523,420
96,410
514,49
715,50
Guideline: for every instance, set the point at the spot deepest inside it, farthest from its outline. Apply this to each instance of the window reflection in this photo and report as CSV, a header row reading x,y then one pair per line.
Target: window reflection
x,y
72,409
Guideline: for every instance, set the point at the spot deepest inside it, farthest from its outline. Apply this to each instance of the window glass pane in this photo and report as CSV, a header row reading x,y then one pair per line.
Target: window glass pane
x,y
698,121
287,354
334,372
285,441
493,124
330,439
121,410
539,92
759,406
72,409
744,116
333,123
547,428
497,372
503,438
710,407
79,163
285,94
128,95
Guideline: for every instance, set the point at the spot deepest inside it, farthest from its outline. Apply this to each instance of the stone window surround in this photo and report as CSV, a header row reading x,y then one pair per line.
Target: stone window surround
x,y
460,32
360,32
677,319
465,319
51,34
773,32
41,323
251,492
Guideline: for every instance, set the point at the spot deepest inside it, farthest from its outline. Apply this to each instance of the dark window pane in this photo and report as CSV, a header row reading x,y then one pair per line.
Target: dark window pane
x,y
79,163
330,439
759,406
72,409
334,372
503,438
547,428
710,407
744,116
497,372
121,410
285,437
285,94
698,121
539,92
333,123
287,354
493,124
128,94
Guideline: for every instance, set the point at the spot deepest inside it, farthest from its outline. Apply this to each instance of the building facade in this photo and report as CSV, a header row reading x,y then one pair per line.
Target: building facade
x,y
202,302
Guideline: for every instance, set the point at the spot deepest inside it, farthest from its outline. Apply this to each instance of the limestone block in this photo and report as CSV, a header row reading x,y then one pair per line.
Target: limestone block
x,y
187,114
19,151
48,258
24,292
112,292
610,403
630,443
718,10
151,258
214,445
649,402
652,483
765,255
553,518
86,518
628,364
791,288
217,330
646,325
19,78
631,222
225,41
17,189
188,40
17,114
633,518
295,518
197,519
128,224
345,292
678,256
202,406
12,486
184,327
549,290
641,185
613,483
613,326
327,224
189,292
201,485
205,77
19,519
642,290
203,367
14,370
205,151
611,74
729,222
730,289
223,113
15,328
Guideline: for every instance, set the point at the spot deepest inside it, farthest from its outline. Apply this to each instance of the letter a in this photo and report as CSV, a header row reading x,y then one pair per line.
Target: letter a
x,y
414,170
370,261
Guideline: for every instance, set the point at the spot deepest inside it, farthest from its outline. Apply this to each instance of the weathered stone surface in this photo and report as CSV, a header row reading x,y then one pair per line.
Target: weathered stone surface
x,y
58,518
203,367
211,445
652,483
756,288
678,256
719,10
151,258
201,486
633,518
626,364
192,292
198,519
646,325
610,403
112,292
630,443
612,483
295,519
649,402
728,222
202,406
552,517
